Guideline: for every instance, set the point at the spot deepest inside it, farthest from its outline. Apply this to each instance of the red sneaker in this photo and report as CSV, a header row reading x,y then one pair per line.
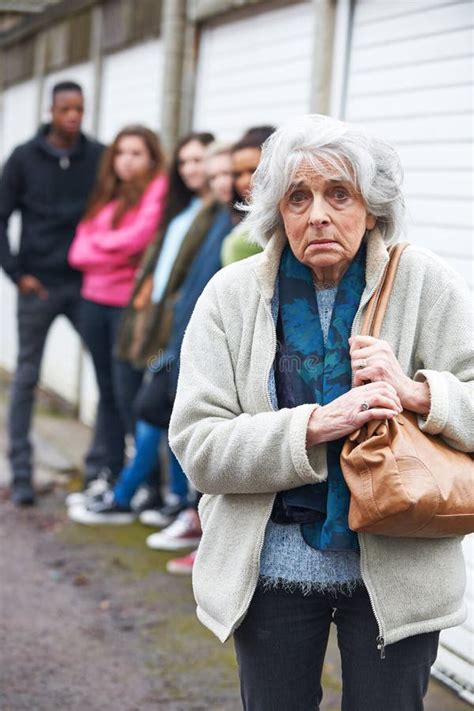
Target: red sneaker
x,y
182,566
184,532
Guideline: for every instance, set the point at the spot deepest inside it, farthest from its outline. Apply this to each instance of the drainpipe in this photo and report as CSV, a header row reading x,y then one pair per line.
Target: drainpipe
x,y
173,31
324,18
39,70
96,60
190,53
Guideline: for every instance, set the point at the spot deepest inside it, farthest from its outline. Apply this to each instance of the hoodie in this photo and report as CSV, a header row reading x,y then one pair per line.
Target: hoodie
x,y
50,189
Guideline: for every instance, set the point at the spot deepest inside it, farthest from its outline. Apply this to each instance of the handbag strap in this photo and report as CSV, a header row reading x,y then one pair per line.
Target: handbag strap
x,y
377,305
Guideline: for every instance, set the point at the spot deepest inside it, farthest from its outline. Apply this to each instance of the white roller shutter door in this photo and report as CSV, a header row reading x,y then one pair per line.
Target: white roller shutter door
x,y
131,88
18,122
254,70
18,111
410,81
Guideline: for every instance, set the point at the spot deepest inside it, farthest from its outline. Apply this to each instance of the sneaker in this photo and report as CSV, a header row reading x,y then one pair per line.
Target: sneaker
x,y
22,493
103,509
147,497
162,516
182,566
95,488
185,532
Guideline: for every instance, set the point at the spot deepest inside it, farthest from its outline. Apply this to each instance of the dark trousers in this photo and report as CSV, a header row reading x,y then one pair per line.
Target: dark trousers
x,y
35,317
96,458
282,642
117,380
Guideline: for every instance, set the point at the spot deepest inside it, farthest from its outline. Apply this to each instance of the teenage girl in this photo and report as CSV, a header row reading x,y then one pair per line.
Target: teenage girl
x,y
121,221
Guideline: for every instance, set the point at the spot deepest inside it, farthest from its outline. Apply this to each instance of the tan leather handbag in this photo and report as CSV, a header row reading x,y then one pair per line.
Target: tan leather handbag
x,y
403,482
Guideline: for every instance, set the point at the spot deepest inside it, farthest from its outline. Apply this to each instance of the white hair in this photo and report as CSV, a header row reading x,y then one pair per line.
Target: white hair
x,y
331,147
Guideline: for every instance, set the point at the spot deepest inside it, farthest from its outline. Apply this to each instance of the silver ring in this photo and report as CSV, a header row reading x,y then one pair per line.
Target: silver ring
x,y
364,406
362,363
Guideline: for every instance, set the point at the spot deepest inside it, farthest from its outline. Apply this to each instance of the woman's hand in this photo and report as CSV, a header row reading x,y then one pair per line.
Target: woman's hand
x,y
373,360
347,413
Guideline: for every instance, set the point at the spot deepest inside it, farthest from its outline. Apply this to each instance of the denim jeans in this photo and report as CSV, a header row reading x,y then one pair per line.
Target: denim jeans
x,y
140,468
118,381
178,481
282,642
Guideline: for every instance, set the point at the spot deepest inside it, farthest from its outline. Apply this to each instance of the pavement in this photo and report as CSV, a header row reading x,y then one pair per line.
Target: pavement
x,y
89,617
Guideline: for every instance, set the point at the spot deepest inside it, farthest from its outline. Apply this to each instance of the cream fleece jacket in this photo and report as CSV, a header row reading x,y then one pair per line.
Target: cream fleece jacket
x,y
239,452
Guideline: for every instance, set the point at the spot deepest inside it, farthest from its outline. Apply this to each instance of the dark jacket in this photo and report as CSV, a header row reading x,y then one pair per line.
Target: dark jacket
x,y
205,265
144,334
50,190
154,401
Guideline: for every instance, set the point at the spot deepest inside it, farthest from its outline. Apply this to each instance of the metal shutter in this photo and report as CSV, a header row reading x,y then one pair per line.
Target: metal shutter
x,y
254,70
410,81
17,125
131,88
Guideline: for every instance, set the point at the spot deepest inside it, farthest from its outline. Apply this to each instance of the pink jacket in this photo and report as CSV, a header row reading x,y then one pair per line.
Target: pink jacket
x,y
109,257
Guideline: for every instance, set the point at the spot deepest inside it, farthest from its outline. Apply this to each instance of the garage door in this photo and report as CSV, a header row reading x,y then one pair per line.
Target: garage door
x,y
410,81
131,88
18,111
254,70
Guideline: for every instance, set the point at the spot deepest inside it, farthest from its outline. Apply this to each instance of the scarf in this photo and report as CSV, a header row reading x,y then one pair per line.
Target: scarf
x,y
308,371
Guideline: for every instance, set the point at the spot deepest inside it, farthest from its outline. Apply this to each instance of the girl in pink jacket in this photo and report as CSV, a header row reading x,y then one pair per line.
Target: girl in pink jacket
x,y
121,221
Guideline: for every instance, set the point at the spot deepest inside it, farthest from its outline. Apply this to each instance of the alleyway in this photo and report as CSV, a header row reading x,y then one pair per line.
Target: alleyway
x,y
90,620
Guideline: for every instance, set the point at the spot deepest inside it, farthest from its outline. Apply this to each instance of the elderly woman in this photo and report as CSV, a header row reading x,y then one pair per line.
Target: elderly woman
x,y
273,378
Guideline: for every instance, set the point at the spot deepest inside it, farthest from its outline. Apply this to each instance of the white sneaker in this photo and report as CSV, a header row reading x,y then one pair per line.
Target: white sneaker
x,y
184,532
163,516
96,488
80,514
101,510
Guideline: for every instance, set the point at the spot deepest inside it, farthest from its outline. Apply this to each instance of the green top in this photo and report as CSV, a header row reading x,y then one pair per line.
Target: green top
x,y
236,246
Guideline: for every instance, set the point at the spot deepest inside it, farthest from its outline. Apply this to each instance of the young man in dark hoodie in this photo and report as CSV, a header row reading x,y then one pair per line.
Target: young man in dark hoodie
x,y
48,180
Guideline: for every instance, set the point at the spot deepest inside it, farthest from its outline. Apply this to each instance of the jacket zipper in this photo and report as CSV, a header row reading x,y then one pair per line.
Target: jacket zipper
x,y
269,369
380,640
249,597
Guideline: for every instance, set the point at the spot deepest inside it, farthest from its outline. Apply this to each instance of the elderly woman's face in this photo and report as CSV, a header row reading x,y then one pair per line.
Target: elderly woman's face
x,y
325,220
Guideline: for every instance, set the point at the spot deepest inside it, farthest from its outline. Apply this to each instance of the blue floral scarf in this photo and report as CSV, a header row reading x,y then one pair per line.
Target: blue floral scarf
x,y
307,370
